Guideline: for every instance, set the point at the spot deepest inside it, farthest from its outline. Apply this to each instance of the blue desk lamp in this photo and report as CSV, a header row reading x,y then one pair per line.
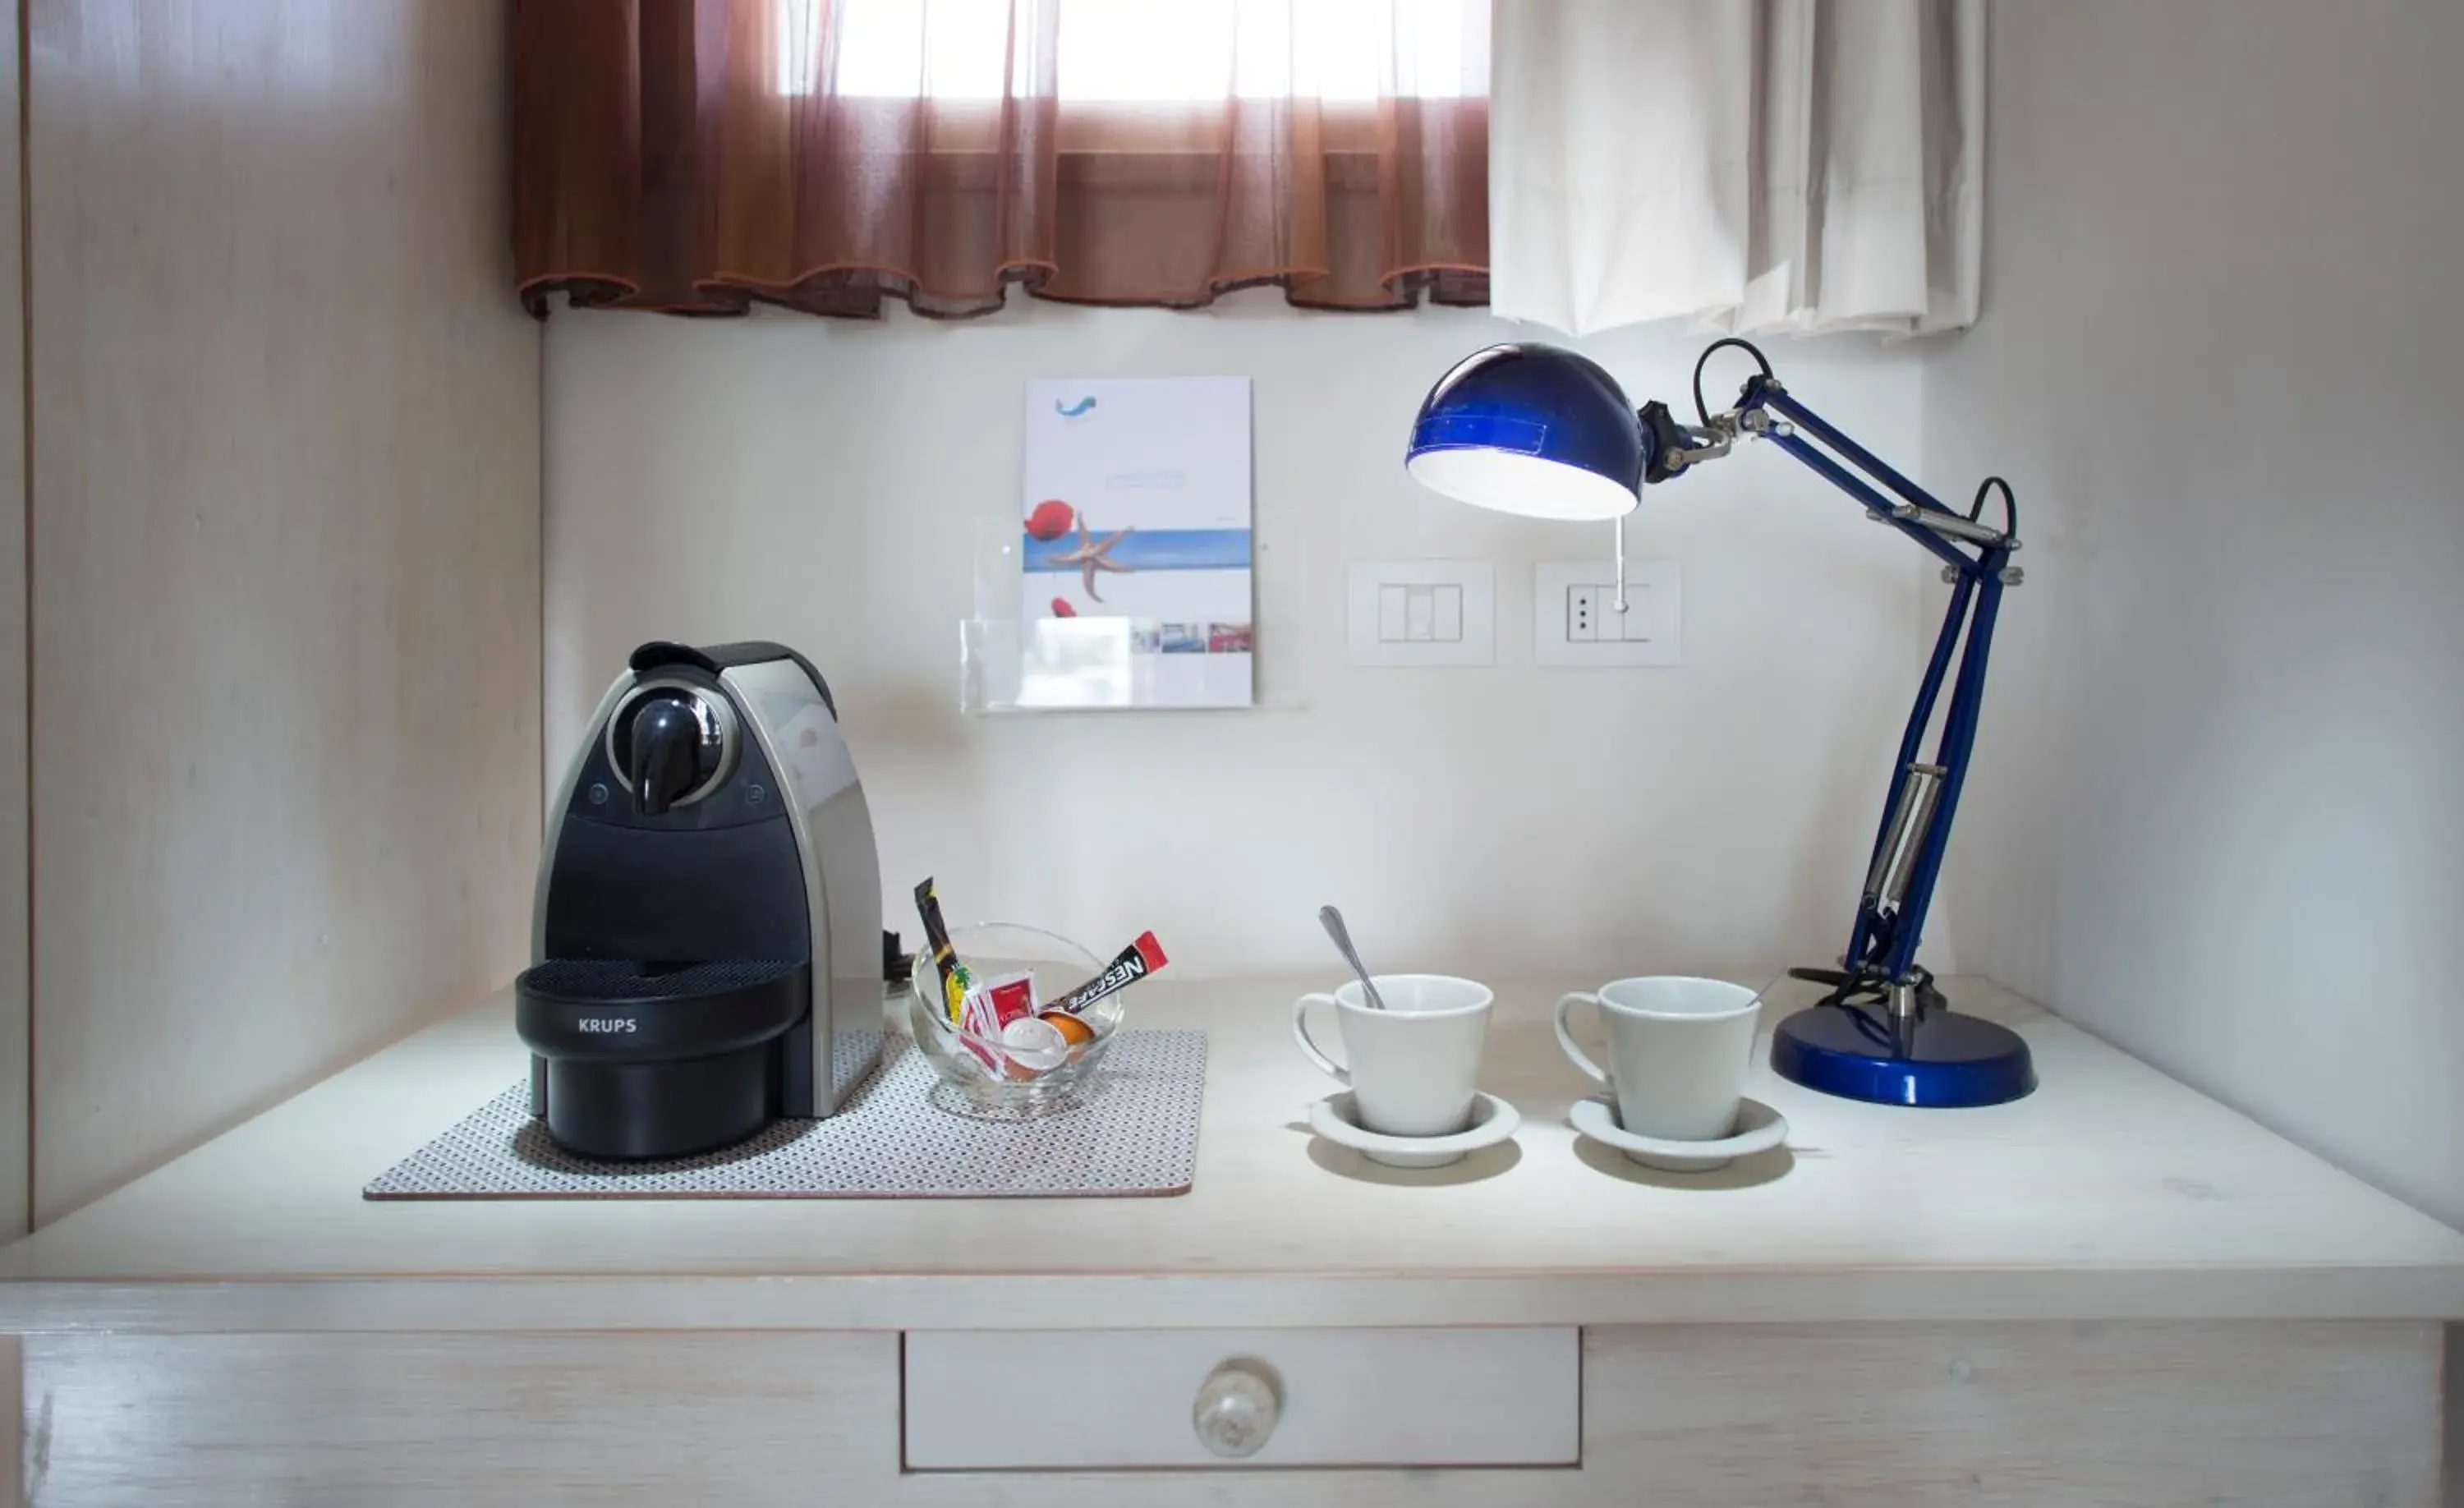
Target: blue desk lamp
x,y
1538,430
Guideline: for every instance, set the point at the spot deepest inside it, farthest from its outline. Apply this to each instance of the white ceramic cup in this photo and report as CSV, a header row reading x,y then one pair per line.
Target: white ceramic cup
x,y
1679,1050
1415,1066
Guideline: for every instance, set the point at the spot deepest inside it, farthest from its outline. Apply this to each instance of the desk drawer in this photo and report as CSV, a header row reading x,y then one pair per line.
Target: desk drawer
x,y
984,1400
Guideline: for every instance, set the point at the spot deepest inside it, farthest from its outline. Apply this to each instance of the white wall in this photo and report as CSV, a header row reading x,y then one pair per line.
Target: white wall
x,y
821,482
2219,813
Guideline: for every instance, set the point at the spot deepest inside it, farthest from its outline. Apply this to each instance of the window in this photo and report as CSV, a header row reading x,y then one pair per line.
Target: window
x,y
1143,52
830,155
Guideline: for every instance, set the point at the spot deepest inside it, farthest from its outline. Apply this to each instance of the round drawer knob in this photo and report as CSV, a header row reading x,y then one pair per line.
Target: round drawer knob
x,y
1237,1407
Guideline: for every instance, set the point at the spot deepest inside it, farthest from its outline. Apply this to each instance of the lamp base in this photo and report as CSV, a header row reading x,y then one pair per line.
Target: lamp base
x,y
1940,1060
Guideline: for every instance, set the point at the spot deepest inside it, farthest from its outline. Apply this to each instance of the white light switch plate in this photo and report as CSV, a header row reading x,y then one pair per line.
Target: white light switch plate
x,y
1423,612
1574,619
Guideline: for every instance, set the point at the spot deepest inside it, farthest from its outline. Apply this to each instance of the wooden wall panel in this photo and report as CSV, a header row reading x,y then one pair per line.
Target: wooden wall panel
x,y
285,555
2452,1493
16,981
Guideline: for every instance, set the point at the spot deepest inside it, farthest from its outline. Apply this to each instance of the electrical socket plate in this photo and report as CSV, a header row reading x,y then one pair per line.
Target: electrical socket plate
x,y
1574,619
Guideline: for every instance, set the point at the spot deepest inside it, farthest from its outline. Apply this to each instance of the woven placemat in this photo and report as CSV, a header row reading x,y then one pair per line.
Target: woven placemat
x,y
1135,1132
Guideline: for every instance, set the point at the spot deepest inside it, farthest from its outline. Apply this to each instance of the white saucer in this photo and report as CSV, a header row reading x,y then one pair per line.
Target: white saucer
x,y
1492,1121
1759,1129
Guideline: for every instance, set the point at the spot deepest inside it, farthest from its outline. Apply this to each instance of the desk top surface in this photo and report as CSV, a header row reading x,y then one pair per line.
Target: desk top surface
x,y
2111,1192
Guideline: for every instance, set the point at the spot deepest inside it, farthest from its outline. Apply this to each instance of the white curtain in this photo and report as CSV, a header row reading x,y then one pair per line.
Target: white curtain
x,y
1754,165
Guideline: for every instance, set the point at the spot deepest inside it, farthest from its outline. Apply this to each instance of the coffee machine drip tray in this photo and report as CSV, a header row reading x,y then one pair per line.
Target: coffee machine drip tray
x,y
646,1060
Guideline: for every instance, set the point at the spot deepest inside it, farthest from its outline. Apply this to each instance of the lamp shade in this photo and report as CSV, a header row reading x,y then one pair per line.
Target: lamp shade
x,y
1532,430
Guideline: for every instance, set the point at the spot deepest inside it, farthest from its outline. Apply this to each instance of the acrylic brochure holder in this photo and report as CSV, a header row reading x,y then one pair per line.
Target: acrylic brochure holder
x,y
1009,663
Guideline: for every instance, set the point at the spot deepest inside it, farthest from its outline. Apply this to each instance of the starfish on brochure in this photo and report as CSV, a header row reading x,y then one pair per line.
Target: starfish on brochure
x,y
1090,555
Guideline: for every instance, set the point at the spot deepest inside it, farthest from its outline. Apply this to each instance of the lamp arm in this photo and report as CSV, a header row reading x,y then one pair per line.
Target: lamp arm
x,y
1915,830
1911,509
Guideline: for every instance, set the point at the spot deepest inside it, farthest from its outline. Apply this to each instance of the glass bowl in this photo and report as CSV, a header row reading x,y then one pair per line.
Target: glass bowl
x,y
981,1077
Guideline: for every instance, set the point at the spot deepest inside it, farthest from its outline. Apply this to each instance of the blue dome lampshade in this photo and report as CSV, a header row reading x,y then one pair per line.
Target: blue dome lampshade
x,y
1530,429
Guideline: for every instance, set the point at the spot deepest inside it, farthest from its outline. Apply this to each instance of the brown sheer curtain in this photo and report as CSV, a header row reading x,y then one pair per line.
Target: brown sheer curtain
x,y
700,156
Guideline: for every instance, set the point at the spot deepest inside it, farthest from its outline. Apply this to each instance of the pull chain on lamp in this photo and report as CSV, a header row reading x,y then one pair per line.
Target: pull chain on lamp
x,y
1542,432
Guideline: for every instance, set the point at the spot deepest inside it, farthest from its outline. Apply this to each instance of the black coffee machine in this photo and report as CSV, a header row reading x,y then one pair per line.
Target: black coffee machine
x,y
706,932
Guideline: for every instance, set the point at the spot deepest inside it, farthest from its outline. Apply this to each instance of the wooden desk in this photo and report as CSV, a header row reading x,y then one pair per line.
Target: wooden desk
x,y
2114,1291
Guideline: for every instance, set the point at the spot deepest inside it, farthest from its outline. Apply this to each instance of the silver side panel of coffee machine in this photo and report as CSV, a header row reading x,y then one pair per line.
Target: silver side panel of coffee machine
x,y
800,738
